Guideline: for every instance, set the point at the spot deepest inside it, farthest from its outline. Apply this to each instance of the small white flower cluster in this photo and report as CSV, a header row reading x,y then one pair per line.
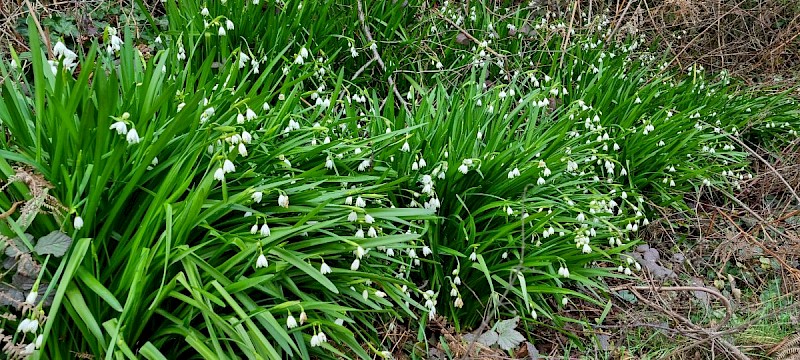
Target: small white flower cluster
x,y
121,127
66,56
114,42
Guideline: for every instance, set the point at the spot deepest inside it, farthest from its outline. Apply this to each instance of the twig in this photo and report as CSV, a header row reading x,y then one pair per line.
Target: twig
x,y
42,34
375,54
717,294
734,351
361,69
752,152
468,35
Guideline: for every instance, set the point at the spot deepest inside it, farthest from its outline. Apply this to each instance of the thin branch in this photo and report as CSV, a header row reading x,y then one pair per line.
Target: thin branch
x,y
375,54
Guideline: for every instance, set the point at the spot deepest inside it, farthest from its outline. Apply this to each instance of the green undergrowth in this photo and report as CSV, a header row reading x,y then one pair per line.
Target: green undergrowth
x,y
239,194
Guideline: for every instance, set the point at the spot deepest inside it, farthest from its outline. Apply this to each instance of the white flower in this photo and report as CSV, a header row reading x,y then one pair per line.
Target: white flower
x,y
77,223
298,60
352,217
31,298
221,31
304,52
372,232
360,252
348,200
204,12
458,302
426,250
39,341
322,337
473,256
562,271
359,233
406,147
509,211
354,266
365,294
329,163
369,219
315,341
291,323
219,174
254,229
120,127
324,269
303,317
28,325
229,24
261,262
133,137
283,201
541,181
257,196
265,230
28,349
463,169
242,149
227,166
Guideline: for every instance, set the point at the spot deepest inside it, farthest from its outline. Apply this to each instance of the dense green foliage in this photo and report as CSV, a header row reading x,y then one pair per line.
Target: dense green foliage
x,y
259,166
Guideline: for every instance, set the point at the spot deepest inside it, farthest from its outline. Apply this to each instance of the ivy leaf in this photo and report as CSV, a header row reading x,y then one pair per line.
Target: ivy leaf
x,y
55,243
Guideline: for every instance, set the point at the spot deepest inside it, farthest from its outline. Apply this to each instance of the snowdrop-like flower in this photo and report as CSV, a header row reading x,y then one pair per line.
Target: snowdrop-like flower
x,y
221,31
77,223
229,24
329,163
291,323
265,230
204,12
119,127
473,256
354,266
360,252
348,200
228,167
219,174
458,302
28,349
373,46
541,181
426,250
257,196
372,232
352,217
261,262
509,211
242,150
28,325
31,298
304,52
359,233
369,219
283,201
405,147
563,271
133,137
39,340
463,169
254,229
324,269
303,317
315,341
